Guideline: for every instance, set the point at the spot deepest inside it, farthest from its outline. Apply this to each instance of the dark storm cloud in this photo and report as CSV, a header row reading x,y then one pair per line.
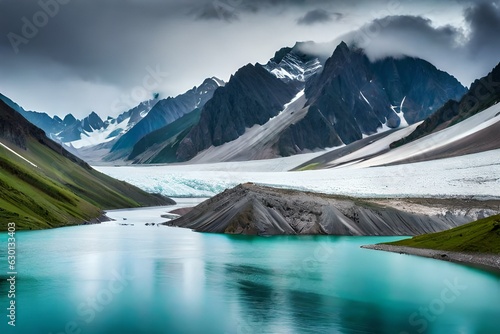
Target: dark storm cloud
x,y
113,43
230,10
88,52
467,52
84,35
318,16
80,35
217,10
484,38
416,29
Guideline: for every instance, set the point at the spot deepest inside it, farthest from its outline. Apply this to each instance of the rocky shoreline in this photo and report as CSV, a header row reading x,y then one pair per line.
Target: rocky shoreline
x,y
97,220
490,262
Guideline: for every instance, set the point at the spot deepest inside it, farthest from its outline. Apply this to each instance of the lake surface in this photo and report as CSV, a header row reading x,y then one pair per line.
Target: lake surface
x,y
111,278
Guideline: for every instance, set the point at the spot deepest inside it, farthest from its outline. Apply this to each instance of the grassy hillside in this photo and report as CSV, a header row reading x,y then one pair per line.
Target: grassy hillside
x,y
33,201
58,192
482,236
169,137
62,189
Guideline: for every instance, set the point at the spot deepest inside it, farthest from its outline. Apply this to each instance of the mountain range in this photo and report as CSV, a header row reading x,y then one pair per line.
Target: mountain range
x,y
88,131
468,125
298,102
295,104
163,113
93,136
43,185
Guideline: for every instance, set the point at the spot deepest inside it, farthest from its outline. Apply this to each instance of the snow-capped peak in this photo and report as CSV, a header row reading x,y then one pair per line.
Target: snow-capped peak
x,y
112,128
218,81
293,67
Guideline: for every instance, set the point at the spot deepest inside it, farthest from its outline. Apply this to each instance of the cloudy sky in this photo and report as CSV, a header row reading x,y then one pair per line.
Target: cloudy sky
x,y
78,56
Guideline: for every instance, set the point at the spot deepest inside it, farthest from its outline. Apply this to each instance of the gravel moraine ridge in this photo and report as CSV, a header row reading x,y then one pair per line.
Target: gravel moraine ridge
x,y
487,261
260,210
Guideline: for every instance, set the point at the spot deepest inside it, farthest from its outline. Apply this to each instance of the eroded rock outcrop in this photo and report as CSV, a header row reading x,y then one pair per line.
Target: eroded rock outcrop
x,y
258,210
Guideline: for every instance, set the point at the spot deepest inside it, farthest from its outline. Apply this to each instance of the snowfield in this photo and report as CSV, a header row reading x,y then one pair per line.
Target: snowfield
x,y
439,139
469,175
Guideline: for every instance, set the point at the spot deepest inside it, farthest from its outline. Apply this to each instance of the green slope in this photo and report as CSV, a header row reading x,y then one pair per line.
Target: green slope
x,y
32,200
168,138
62,189
482,236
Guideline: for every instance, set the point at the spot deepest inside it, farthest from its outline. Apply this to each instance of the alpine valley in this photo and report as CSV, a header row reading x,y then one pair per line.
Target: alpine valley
x,y
301,111
207,200
405,145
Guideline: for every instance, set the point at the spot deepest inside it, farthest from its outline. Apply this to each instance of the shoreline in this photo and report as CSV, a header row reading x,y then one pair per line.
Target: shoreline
x,y
489,262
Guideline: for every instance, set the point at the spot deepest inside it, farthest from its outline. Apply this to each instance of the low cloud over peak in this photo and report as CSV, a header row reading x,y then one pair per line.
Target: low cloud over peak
x,y
466,52
318,16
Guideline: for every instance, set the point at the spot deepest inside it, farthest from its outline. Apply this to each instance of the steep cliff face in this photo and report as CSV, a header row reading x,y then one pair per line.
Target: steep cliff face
x,y
482,94
258,210
252,96
353,97
293,66
167,111
15,128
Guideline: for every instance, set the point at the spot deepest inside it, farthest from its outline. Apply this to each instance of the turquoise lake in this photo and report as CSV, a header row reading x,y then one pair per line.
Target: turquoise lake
x,y
111,278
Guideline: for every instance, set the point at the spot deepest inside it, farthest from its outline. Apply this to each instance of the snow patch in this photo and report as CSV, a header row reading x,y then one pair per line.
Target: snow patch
x,y
17,154
281,73
401,115
98,136
384,127
366,100
292,68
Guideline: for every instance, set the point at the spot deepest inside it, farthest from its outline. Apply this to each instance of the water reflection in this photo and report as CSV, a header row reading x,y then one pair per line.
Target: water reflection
x,y
186,282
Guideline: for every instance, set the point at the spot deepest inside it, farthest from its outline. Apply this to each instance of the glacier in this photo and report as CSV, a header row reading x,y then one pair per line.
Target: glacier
x,y
470,175
356,174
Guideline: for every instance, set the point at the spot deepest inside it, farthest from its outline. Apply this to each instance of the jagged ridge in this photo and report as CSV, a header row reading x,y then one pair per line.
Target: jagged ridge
x,y
353,97
165,112
252,96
